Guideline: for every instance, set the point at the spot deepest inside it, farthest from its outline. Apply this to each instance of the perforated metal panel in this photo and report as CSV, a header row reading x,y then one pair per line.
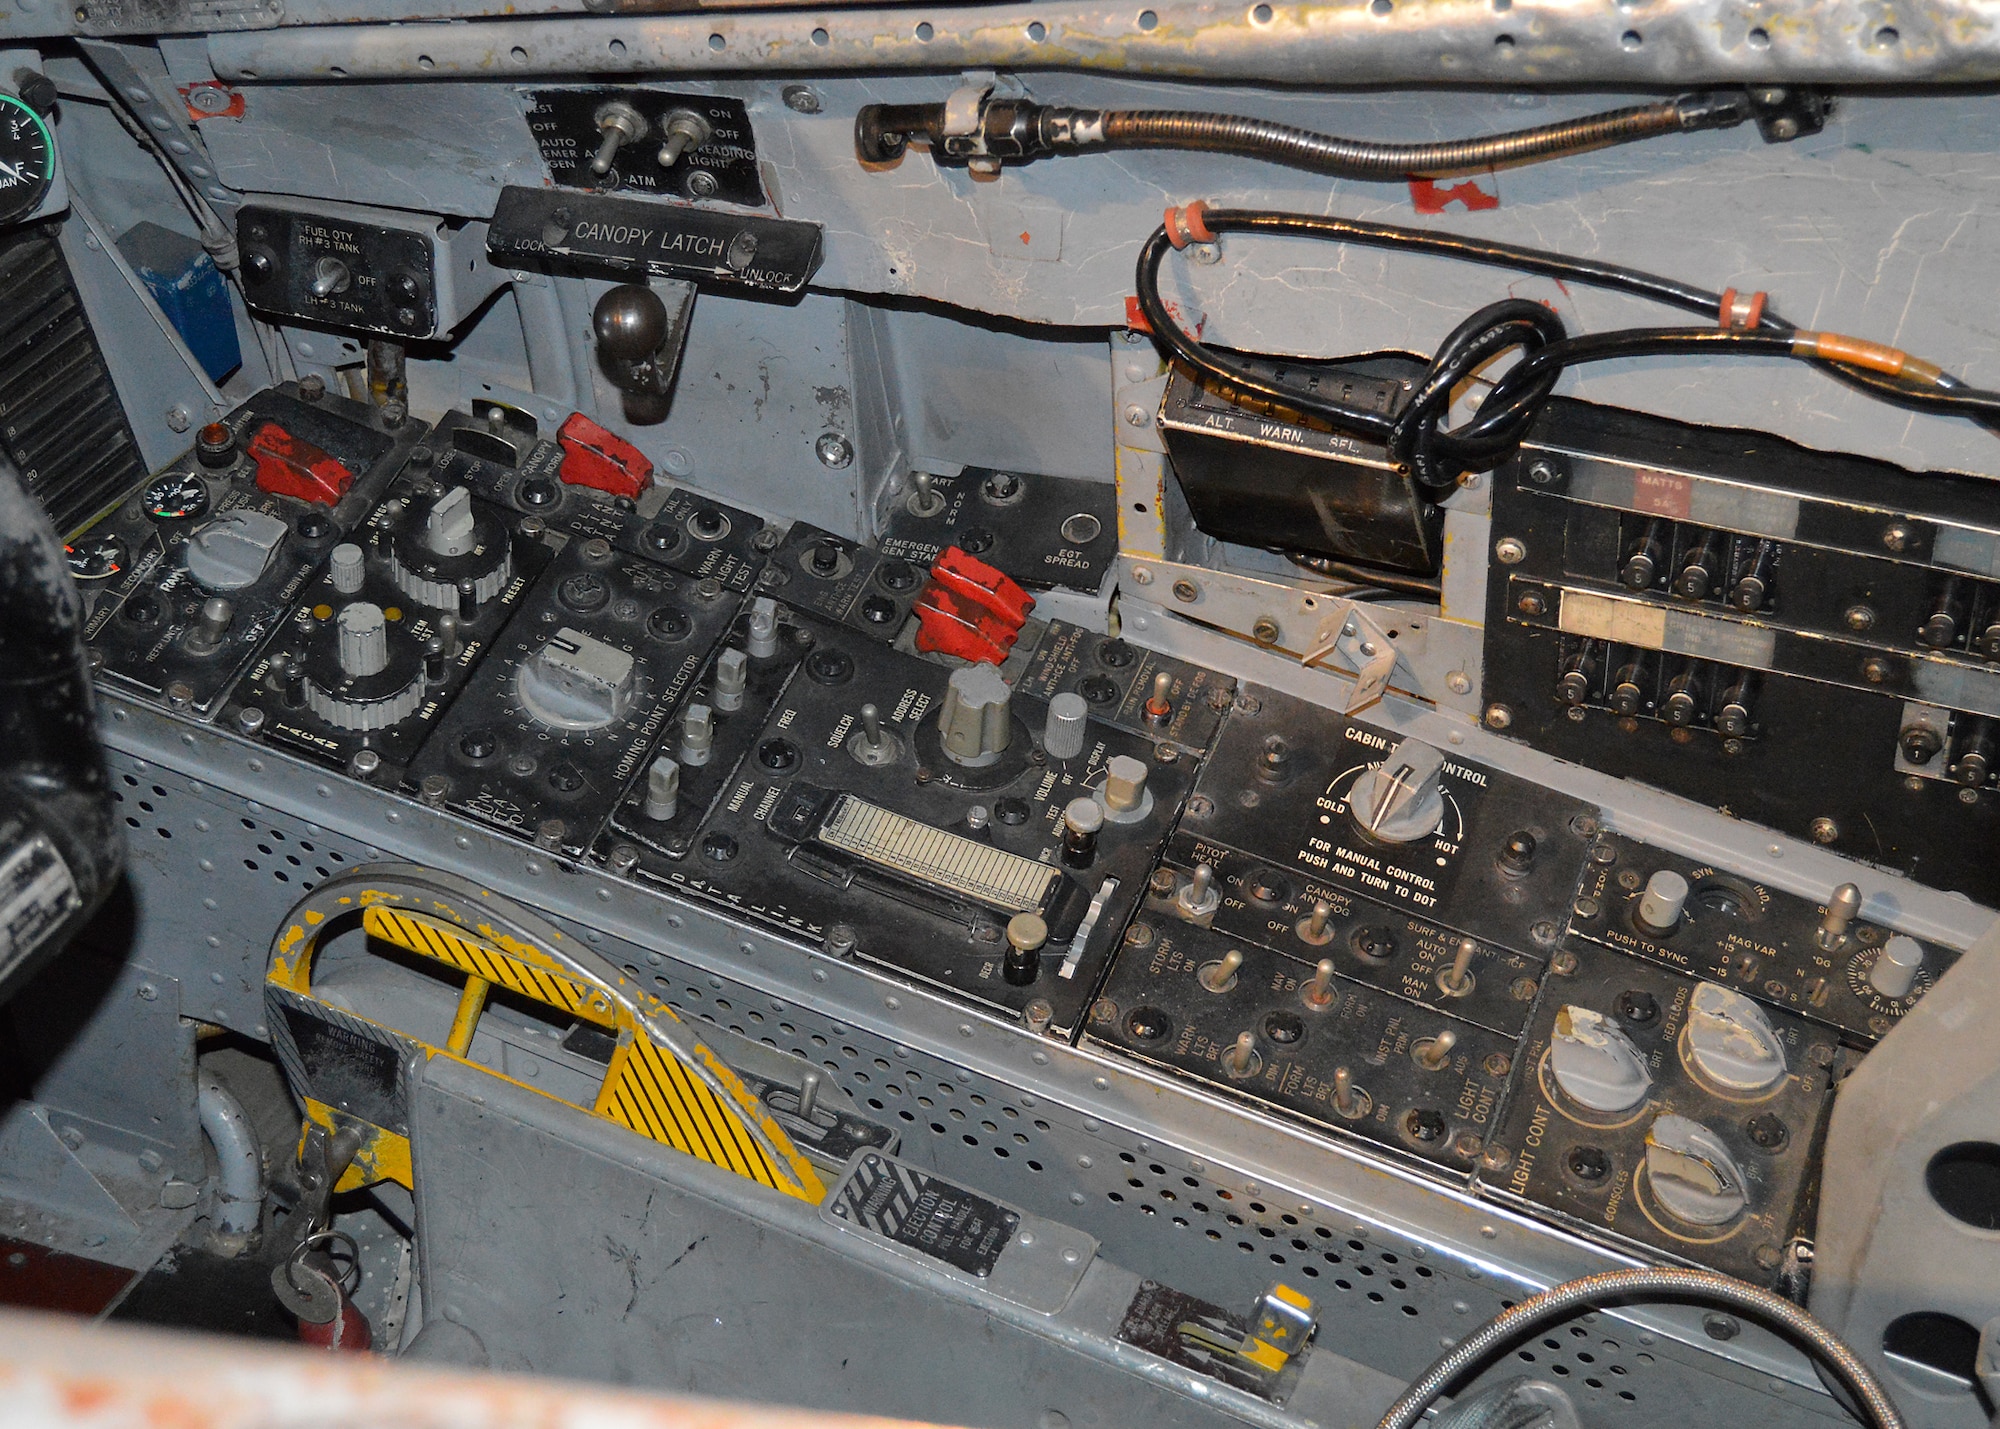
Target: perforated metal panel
x,y
215,872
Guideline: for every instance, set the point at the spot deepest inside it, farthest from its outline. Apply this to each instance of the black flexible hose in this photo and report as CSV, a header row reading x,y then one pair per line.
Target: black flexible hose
x,y
1416,437
1660,1283
1364,159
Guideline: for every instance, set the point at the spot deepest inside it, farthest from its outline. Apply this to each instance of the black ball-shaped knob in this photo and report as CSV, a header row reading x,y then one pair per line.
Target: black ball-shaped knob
x,y
631,322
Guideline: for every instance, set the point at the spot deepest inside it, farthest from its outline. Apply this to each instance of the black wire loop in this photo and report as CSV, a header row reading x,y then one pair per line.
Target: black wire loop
x,y
1417,440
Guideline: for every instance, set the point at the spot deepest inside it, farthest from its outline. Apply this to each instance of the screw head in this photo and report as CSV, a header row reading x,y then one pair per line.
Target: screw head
x,y
1859,617
1510,551
1896,536
702,184
833,450
801,98
1541,472
1186,592
623,859
249,719
1721,1327
1532,602
1458,682
1135,415
1874,669
179,418
1824,830
364,763
1264,630
1498,717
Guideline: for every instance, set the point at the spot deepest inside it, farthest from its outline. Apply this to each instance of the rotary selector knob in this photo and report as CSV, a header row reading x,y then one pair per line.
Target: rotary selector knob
x,y
1692,1174
1065,730
1595,1063
1730,1043
975,723
576,682
1399,800
1662,903
1896,967
234,550
450,549
362,675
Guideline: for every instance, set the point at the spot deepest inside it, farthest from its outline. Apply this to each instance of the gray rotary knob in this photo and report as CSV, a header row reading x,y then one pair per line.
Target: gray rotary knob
x,y
453,556
1692,1174
974,722
1730,1043
1595,1063
1399,800
348,567
364,640
362,675
1063,734
576,682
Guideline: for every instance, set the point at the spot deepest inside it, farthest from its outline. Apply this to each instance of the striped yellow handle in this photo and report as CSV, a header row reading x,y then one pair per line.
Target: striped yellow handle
x,y
686,1098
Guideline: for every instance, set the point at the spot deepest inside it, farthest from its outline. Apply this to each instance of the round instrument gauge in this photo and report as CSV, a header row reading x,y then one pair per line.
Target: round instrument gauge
x,y
27,159
97,558
177,496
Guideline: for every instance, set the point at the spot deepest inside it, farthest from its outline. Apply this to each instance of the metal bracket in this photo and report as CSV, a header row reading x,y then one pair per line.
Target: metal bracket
x,y
168,124
1371,642
1363,641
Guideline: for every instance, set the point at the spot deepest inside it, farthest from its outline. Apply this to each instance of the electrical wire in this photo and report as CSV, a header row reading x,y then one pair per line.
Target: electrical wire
x,y
1378,584
1671,1284
1435,456
215,236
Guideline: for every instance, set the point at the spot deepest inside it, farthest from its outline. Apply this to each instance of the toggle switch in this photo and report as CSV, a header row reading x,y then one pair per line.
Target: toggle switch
x,y
618,124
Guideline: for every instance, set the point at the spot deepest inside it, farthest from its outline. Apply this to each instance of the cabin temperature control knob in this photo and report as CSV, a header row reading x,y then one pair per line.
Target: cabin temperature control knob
x,y
1399,800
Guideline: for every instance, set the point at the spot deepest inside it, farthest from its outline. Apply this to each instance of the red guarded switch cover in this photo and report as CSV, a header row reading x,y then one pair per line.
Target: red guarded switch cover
x,y
970,610
291,466
601,460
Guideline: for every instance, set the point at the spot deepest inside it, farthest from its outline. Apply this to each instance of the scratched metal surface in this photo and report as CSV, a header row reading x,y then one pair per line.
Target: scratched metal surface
x,y
1875,227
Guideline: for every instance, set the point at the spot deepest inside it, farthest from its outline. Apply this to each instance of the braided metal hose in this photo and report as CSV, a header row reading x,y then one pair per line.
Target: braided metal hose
x,y
1363,159
1668,1283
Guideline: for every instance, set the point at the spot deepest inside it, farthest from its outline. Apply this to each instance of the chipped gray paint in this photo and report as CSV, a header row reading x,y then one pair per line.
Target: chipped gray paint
x,y
1874,227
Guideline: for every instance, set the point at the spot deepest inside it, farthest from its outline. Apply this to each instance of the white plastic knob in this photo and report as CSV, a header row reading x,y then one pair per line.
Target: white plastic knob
x,y
1661,905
